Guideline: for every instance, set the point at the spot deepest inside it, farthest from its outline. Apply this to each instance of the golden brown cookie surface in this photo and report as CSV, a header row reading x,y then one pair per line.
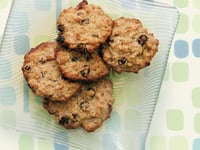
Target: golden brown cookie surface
x,y
89,108
130,47
42,74
82,66
85,26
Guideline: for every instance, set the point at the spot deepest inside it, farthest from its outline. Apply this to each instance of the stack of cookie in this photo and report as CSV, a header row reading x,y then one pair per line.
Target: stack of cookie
x,y
71,72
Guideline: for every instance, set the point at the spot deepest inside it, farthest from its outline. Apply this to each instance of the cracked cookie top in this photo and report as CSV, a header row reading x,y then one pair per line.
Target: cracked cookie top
x,y
88,109
42,74
130,47
81,65
85,26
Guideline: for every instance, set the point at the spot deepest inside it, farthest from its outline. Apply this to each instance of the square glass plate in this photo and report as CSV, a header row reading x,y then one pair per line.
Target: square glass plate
x,y
34,21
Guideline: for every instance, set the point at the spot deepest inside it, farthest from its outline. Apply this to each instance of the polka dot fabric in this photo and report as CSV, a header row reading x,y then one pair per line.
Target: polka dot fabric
x,y
176,121
176,124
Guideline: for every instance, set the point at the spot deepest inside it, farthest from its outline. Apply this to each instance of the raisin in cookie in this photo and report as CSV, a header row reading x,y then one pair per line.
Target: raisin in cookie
x,y
42,74
130,46
85,26
89,108
83,66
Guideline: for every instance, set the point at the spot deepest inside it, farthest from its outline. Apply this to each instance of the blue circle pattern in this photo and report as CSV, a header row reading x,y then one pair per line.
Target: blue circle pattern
x,y
196,47
181,49
20,29
21,44
196,144
43,5
8,96
58,146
